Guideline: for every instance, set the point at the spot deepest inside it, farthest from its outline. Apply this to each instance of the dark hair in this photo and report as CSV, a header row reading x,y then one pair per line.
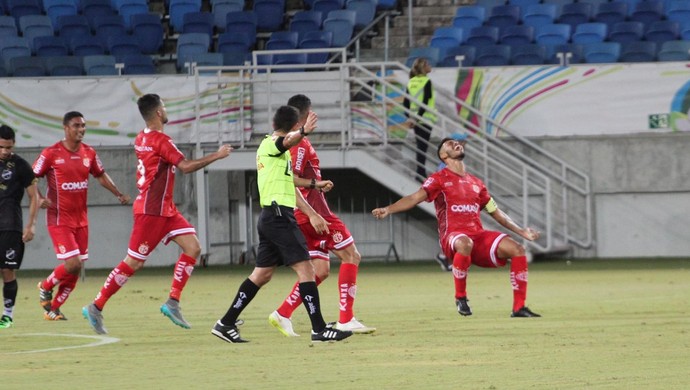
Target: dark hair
x,y
6,132
285,118
148,104
301,102
440,145
71,115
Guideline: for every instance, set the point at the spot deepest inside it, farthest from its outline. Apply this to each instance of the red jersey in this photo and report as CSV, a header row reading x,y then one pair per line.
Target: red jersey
x,y
67,176
157,157
458,201
305,164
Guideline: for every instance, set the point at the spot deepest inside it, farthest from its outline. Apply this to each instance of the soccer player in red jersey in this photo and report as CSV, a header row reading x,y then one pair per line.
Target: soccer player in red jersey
x,y
458,198
156,219
66,167
307,177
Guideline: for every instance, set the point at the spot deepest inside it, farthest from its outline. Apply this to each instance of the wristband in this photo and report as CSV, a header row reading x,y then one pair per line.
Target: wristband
x,y
313,183
301,132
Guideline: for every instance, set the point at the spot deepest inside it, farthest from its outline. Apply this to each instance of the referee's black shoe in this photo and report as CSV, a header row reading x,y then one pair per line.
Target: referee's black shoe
x,y
227,333
525,312
329,335
463,307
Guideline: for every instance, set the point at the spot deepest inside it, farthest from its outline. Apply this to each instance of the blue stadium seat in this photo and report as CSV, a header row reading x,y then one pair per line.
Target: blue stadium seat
x,y
57,8
123,45
685,31
19,8
432,54
129,8
532,54
177,10
27,67
559,5
188,45
69,26
450,59
230,41
148,30
539,14
601,52
386,5
611,13
86,45
282,40
50,46
208,59
269,14
8,26
622,32
517,35
242,21
575,52
305,21
640,51
94,8
289,59
631,5
648,11
220,9
235,57
446,37
674,51
197,22
341,23
678,11
326,6
317,40
64,66
575,13
100,65
470,16
493,55
502,16
594,3
365,11
552,34
3,72
482,36
523,4
489,4
33,26
589,33
662,31
108,25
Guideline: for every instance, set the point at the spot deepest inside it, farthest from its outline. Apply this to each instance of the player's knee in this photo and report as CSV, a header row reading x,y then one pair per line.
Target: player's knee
x,y
464,245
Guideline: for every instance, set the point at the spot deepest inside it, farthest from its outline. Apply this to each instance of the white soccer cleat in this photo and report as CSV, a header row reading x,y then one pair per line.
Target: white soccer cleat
x,y
355,326
283,324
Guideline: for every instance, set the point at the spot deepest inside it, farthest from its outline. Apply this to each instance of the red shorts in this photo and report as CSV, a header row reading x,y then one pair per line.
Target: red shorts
x,y
320,244
484,249
69,242
149,230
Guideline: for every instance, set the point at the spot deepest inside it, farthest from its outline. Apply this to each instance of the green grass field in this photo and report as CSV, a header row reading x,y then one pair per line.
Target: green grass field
x,y
606,325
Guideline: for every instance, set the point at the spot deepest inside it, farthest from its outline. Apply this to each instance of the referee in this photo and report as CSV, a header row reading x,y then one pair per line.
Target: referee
x,y
280,240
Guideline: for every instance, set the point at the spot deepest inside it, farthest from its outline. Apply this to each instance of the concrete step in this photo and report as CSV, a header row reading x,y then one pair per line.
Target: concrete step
x,y
418,40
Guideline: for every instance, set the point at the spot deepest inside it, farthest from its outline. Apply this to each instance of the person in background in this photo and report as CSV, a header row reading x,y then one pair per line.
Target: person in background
x,y
420,88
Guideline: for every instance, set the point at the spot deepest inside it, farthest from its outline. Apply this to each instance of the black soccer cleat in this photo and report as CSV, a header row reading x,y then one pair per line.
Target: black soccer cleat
x,y
329,335
443,262
227,333
463,307
525,312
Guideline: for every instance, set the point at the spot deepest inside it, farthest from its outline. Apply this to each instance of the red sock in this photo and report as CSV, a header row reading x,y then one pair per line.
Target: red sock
x,y
65,288
518,279
461,263
183,270
59,274
117,278
293,300
347,289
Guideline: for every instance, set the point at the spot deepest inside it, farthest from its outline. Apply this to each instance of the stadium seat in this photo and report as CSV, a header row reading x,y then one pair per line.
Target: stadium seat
x,y
589,33
123,45
432,54
317,40
517,35
640,51
611,13
289,59
502,16
27,67
685,31
365,11
33,26
552,34
3,72
197,22
64,66
341,23
86,45
622,32
574,51
138,64
57,8
384,5
539,14
129,8
100,65
8,26
523,4
188,45
662,31
234,41
446,37
244,22
269,14
575,13
678,11
220,9
482,36
531,54
601,52
559,5
235,57
470,16
489,4
450,60
305,21
94,8
50,46
674,51
19,8
282,40
177,10
108,25
594,3
148,30
69,26
13,47
630,6
493,55
648,11
326,6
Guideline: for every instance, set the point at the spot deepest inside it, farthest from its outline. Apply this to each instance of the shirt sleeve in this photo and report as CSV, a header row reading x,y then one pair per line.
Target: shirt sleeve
x,y
170,153
432,187
484,195
26,175
96,168
279,146
42,163
299,156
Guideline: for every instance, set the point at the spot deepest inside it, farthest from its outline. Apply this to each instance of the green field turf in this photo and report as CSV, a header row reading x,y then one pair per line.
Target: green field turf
x,y
607,325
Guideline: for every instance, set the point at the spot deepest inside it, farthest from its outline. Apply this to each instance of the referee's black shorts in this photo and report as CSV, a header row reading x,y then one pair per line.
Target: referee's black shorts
x,y
280,240
11,249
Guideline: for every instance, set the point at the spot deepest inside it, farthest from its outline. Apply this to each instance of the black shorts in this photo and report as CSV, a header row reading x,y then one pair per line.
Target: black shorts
x,y
11,250
280,240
